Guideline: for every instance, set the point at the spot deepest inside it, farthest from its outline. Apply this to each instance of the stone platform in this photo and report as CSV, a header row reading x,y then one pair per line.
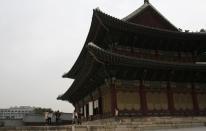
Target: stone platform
x,y
126,124
148,121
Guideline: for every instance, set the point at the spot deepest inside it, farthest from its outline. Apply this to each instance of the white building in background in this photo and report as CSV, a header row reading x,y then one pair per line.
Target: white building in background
x,y
16,112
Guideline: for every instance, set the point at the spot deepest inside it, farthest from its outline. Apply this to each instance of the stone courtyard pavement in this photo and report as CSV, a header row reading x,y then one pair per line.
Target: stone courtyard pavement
x,y
95,128
185,129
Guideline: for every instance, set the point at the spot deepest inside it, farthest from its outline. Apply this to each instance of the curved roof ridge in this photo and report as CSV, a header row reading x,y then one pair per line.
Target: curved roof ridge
x,y
115,19
94,47
133,24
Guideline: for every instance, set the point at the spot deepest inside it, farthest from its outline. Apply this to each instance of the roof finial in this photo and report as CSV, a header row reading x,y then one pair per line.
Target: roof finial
x,y
97,8
146,1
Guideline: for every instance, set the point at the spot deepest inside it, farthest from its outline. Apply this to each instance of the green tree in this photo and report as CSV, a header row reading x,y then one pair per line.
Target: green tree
x,y
42,110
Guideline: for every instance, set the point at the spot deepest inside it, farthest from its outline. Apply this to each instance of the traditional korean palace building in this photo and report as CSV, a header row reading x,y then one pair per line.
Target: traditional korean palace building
x,y
141,65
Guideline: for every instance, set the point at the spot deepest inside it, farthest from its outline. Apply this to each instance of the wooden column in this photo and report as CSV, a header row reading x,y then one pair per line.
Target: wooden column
x,y
83,108
195,100
100,107
170,99
113,97
143,99
92,98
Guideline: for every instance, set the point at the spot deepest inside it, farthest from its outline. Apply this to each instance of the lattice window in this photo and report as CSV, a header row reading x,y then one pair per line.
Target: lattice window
x,y
202,101
128,100
183,101
157,101
106,102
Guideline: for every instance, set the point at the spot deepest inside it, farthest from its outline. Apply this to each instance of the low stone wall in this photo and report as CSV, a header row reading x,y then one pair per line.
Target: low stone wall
x,y
11,123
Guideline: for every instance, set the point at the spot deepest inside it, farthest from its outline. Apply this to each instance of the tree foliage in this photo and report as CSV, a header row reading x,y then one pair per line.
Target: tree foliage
x,y
42,110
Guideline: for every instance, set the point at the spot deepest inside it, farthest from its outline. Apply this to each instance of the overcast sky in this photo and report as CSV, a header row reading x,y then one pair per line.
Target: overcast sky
x,y
41,39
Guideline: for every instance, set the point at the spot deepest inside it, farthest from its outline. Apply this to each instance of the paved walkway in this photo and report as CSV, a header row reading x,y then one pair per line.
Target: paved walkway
x,y
186,129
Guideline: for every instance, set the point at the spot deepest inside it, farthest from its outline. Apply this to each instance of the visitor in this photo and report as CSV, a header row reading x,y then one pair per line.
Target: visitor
x,y
75,117
78,118
50,118
46,117
116,114
57,115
